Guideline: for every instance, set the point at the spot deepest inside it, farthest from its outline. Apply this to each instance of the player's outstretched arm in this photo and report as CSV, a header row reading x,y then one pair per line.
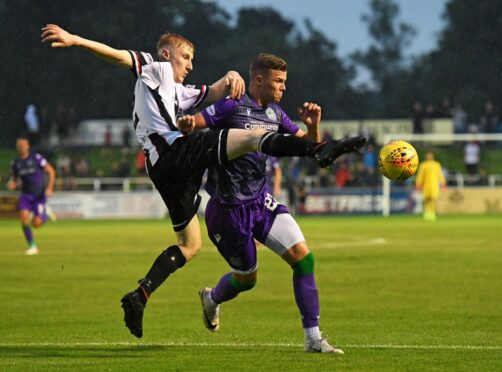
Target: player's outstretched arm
x,y
59,38
310,114
232,84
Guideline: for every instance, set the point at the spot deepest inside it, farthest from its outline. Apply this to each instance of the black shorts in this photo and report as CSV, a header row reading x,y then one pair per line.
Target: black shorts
x,y
177,174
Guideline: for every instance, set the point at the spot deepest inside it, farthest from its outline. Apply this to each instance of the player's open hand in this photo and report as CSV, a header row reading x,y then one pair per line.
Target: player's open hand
x,y
57,37
49,192
186,123
235,83
310,113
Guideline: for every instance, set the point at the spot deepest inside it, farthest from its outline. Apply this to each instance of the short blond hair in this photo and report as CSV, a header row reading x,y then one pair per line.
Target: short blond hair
x,y
265,62
173,40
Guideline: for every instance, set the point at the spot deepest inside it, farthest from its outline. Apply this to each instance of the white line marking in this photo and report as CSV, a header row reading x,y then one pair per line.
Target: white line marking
x,y
257,344
346,244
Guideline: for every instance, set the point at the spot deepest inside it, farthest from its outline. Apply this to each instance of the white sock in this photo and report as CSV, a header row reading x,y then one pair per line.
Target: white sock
x,y
312,333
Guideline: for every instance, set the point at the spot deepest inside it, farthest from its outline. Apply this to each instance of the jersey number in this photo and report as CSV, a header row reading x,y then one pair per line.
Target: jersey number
x,y
270,202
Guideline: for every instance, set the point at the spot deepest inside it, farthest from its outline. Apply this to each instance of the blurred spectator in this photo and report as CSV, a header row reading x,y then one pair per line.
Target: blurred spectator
x,y
429,116
370,157
472,154
489,120
82,168
32,125
126,136
361,177
459,119
107,137
140,163
445,110
342,174
483,178
417,117
326,178
66,177
121,169
63,161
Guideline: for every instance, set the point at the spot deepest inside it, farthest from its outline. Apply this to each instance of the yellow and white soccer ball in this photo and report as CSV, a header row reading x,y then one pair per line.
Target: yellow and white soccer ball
x,y
397,160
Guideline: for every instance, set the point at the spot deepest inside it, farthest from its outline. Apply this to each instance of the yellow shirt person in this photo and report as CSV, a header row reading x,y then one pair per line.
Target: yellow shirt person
x,y
428,180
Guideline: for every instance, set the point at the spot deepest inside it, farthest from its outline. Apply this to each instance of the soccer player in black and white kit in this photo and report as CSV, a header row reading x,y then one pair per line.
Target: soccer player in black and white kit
x,y
176,162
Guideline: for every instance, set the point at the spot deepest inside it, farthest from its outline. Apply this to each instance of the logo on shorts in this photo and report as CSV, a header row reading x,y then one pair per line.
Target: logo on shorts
x,y
217,237
236,261
271,114
248,110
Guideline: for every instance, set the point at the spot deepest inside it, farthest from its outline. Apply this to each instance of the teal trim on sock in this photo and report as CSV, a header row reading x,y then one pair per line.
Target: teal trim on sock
x,y
241,287
304,266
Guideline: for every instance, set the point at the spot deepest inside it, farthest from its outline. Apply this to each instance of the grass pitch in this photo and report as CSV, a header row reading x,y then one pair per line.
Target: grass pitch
x,y
396,294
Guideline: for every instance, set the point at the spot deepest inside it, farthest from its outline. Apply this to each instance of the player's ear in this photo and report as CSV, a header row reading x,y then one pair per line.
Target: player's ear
x,y
166,54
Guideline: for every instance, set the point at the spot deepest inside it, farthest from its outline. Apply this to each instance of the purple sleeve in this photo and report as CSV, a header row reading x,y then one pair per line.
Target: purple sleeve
x,y
216,114
41,161
287,126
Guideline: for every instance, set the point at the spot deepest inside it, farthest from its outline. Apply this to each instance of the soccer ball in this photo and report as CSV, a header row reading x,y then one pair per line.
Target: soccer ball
x,y
397,160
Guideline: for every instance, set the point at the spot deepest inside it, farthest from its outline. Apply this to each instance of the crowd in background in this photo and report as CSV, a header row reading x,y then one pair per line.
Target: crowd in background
x,y
120,158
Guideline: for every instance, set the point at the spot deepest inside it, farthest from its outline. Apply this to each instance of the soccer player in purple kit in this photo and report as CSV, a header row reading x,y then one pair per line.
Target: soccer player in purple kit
x,y
30,168
176,162
241,207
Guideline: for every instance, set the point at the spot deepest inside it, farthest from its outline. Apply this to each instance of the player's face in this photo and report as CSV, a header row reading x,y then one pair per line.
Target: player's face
x,y
273,86
181,60
22,147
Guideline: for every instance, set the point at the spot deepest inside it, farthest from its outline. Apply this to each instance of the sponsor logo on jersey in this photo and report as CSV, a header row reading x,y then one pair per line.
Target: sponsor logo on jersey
x,y
256,125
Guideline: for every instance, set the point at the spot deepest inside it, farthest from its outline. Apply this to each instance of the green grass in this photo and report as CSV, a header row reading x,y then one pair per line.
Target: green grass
x,y
396,294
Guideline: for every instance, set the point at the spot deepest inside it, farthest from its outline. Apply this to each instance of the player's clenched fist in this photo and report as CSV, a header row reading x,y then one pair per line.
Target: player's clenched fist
x,y
186,123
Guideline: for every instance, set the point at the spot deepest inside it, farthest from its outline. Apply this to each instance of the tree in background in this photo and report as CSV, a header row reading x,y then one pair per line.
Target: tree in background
x,y
385,56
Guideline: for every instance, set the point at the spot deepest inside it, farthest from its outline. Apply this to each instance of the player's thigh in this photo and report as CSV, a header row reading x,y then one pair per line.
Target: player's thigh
x,y
285,234
230,230
241,141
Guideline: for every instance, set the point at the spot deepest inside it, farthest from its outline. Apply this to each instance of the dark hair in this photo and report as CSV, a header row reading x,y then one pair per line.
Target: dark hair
x,y
265,62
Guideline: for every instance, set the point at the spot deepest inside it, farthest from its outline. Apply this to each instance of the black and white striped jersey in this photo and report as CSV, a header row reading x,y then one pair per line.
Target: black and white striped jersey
x,y
158,101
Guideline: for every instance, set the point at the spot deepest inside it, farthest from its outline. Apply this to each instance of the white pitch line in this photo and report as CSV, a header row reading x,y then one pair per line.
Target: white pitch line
x,y
207,344
346,244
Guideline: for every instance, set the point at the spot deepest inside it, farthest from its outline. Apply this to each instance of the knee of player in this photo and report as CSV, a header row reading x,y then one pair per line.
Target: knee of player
x,y
243,283
36,223
190,250
304,266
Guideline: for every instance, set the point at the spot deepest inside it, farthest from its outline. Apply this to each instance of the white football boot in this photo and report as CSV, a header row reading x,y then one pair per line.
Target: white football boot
x,y
210,310
320,345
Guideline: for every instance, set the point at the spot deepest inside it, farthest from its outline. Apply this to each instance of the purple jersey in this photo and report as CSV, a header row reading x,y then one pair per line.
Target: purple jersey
x,y
244,178
31,173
